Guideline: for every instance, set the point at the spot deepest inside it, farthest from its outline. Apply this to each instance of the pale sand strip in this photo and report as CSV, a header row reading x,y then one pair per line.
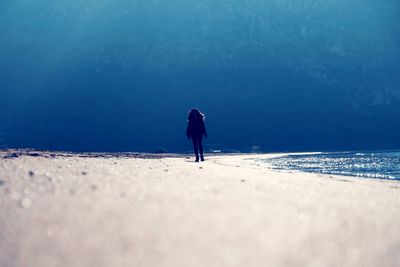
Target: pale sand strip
x,y
73,211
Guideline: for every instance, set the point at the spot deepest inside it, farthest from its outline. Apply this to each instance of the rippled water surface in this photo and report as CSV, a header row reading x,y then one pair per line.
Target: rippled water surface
x,y
382,165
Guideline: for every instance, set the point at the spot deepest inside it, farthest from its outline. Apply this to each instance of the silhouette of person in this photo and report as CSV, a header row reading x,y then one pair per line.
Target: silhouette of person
x,y
195,130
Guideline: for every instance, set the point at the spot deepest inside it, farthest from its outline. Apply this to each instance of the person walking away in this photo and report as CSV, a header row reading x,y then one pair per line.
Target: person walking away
x,y
195,130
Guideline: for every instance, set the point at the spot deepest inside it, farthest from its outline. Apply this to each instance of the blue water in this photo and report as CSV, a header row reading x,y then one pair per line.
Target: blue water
x,y
117,76
381,165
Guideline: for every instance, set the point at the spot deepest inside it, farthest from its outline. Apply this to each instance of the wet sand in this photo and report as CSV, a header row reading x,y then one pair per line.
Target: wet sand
x,y
132,209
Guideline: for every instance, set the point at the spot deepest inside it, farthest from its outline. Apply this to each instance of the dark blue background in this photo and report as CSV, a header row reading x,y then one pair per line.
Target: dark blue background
x,y
102,75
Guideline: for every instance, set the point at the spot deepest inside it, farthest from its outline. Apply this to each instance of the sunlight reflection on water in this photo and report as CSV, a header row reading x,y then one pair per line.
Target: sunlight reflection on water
x,y
381,165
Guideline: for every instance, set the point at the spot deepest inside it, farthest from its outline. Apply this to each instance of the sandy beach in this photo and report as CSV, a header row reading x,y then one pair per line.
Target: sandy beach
x,y
61,209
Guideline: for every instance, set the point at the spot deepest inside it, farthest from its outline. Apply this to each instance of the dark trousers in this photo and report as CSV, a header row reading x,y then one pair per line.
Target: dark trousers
x,y
198,145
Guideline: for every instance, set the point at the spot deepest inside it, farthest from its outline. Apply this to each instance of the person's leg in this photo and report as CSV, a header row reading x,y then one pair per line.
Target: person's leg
x,y
195,147
201,148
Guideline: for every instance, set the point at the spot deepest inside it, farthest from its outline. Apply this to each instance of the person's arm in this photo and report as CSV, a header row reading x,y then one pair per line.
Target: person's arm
x,y
188,130
204,129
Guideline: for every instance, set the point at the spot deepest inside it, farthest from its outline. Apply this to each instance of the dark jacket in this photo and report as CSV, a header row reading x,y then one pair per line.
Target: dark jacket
x,y
196,127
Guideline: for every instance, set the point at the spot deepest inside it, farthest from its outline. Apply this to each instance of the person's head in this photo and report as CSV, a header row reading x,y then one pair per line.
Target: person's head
x,y
195,114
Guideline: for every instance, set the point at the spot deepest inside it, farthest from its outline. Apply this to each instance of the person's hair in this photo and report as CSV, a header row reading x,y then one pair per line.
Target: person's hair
x,y
195,114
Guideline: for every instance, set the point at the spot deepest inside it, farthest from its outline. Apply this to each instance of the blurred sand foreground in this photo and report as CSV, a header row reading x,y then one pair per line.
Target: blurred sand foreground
x,y
70,210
